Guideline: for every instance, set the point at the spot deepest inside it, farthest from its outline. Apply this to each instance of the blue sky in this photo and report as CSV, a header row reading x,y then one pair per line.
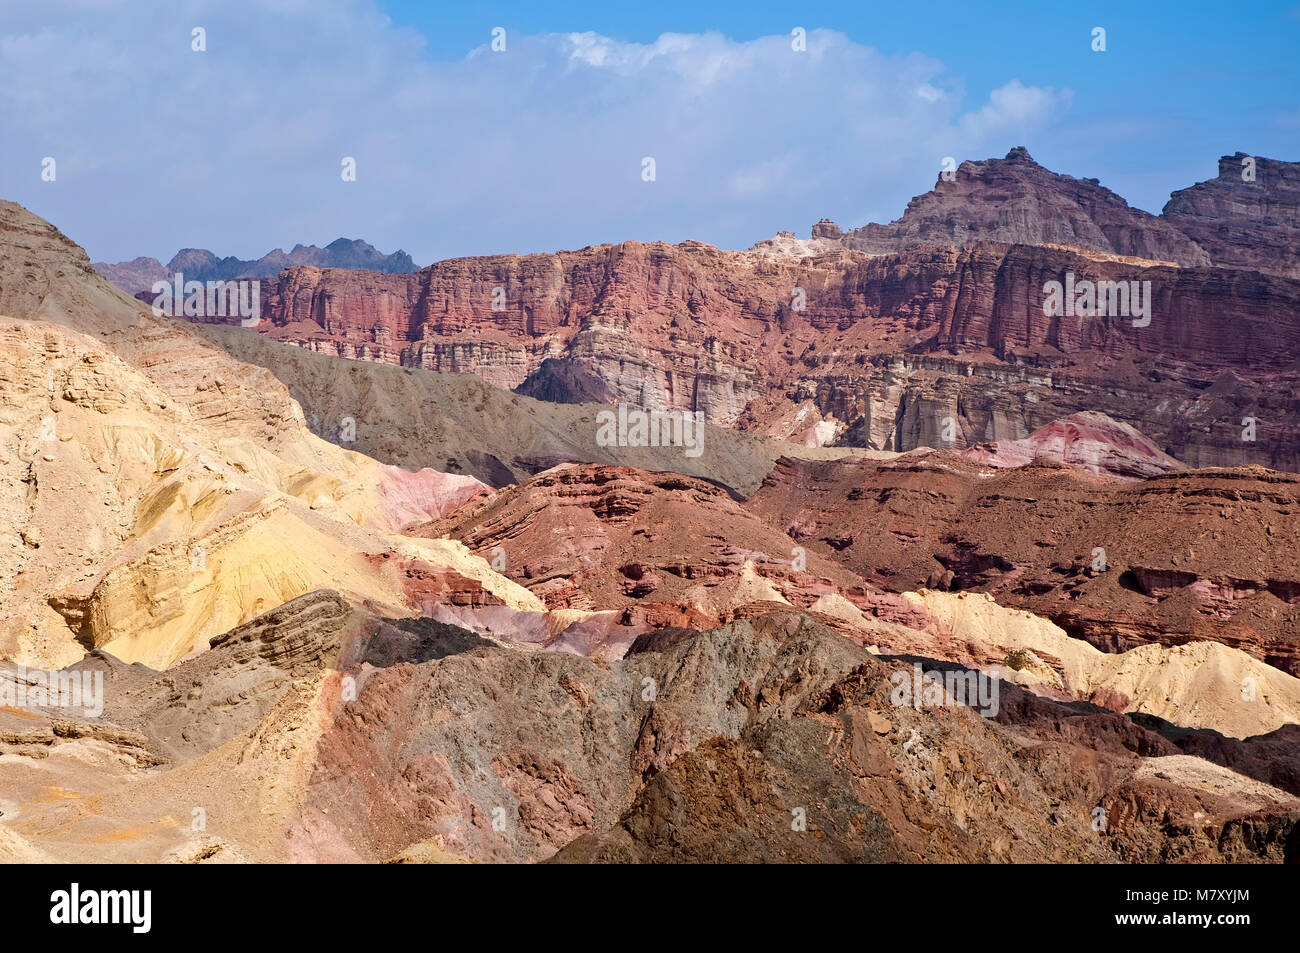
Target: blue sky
x,y
462,150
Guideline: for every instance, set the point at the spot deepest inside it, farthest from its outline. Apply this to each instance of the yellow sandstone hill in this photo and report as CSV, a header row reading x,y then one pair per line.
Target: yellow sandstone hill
x,y
1197,685
155,492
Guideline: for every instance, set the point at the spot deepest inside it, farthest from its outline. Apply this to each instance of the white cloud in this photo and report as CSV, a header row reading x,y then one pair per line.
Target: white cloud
x,y
1014,107
238,149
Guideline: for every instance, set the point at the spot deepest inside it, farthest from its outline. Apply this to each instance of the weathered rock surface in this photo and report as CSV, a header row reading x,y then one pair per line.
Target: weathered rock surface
x,y
562,382
655,550
1200,685
1016,201
1247,217
1089,441
158,492
1181,556
457,424
649,547
824,342
874,782
714,746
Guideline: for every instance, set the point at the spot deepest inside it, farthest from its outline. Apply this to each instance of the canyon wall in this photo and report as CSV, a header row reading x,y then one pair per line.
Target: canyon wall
x,y
889,345
934,330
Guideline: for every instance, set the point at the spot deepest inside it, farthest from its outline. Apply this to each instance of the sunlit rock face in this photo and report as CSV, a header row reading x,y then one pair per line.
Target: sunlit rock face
x,y
888,330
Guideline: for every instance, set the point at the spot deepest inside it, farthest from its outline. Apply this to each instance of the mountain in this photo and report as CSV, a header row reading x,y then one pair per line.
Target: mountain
x,y
348,611
161,492
907,344
478,751
1178,557
416,418
1015,201
199,264
1248,217
582,537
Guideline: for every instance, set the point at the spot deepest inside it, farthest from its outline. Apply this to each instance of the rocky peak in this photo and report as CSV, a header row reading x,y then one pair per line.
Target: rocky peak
x,y
1285,175
1017,201
350,245
199,264
1247,217
827,229
194,260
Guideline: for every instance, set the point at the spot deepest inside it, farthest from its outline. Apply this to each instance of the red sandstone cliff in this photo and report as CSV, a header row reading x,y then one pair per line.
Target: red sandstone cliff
x,y
689,326
944,341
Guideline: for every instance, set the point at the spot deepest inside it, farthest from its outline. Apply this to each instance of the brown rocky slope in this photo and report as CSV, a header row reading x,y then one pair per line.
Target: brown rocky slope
x,y
770,739
1180,556
1247,217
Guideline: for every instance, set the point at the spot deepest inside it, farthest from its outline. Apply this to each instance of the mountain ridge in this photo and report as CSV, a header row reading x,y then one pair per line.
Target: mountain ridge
x,y
199,264
348,661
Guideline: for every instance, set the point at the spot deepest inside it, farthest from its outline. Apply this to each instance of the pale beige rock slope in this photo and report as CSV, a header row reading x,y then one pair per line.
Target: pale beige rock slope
x,y
155,492
1196,685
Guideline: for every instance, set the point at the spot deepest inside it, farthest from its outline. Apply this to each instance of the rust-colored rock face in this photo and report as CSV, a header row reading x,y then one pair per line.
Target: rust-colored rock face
x,y
1183,556
878,337
1016,201
658,547
1248,217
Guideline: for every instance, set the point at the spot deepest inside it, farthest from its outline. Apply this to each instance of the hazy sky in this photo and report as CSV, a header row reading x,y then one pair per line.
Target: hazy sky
x,y
463,150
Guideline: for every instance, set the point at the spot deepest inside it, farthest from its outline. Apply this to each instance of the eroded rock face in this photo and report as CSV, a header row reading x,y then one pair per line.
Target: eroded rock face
x,y
872,338
901,402
1181,556
159,492
1201,684
713,318
1089,441
768,739
139,527
1247,217
656,549
595,307
458,424
697,746
562,382
649,548
1016,201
